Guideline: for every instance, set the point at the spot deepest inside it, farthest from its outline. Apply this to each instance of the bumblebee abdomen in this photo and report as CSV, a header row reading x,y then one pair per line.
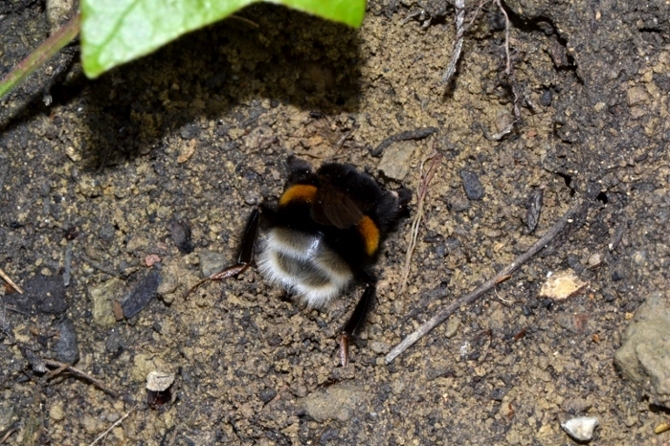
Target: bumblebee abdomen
x,y
303,264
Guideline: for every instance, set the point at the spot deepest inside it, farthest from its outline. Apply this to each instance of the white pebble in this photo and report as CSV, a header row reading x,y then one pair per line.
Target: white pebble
x,y
580,428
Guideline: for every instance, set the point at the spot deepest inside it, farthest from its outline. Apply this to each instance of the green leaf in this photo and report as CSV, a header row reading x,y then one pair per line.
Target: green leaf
x,y
117,31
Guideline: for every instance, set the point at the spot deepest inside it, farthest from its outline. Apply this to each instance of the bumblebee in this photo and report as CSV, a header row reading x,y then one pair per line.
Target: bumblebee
x,y
322,237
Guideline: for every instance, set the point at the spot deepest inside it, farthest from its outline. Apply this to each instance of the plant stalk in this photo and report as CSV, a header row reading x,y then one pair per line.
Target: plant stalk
x,y
41,54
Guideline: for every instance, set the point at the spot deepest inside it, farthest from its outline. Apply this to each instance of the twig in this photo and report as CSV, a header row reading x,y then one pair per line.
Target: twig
x,y
8,434
426,178
486,286
460,30
10,281
116,423
63,367
420,133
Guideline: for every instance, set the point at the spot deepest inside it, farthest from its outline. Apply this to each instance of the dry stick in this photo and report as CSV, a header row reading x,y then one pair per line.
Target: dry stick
x,y
8,434
460,30
116,423
486,286
10,281
62,367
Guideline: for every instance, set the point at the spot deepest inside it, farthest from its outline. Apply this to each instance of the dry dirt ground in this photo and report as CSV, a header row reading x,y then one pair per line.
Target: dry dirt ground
x,y
99,177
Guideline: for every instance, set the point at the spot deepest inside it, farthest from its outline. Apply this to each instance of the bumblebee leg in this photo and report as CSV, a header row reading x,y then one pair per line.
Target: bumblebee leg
x,y
355,321
245,256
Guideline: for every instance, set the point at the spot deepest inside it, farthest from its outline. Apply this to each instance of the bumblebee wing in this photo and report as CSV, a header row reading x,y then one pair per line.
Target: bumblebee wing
x,y
335,208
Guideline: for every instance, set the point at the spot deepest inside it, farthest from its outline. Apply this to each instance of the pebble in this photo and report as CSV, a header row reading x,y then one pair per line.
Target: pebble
x,y
639,257
268,394
645,349
45,294
180,231
152,259
580,428
143,293
379,347
637,96
56,412
159,381
102,296
453,325
169,283
395,162
594,260
66,348
547,97
473,188
562,285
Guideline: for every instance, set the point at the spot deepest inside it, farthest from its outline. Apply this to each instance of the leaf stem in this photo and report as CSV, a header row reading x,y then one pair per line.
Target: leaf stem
x,y
41,54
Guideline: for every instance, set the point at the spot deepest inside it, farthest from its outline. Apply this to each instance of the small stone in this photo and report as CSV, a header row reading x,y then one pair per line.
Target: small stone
x,y
267,395
106,233
56,412
379,347
639,257
151,259
180,231
594,260
141,295
102,297
453,325
159,381
636,96
473,188
44,294
91,425
186,151
562,285
580,428
72,154
66,348
644,355
395,162
120,434
114,344
458,202
547,97
169,282
499,393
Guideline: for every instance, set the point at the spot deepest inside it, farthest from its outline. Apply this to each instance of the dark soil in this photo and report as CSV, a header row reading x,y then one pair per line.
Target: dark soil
x,y
99,180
